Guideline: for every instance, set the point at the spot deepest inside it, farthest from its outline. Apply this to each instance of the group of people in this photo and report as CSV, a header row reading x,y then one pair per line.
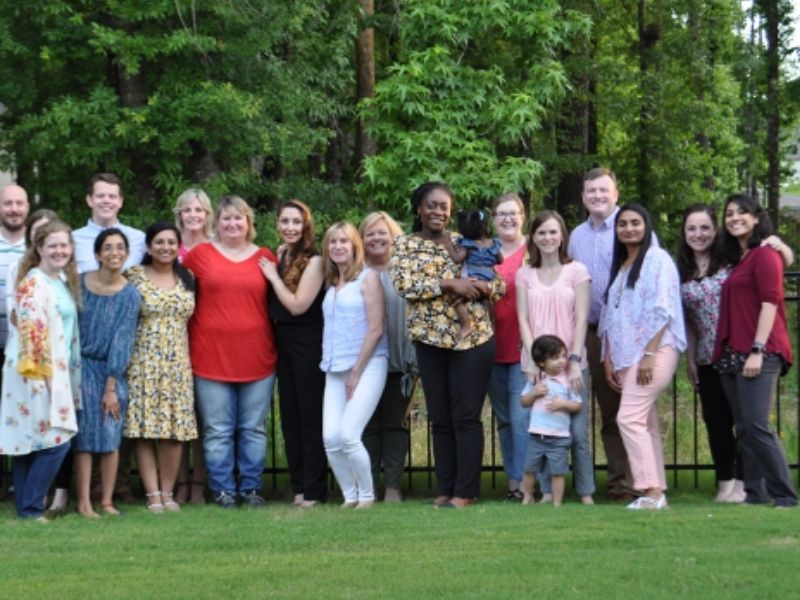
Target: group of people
x,y
172,341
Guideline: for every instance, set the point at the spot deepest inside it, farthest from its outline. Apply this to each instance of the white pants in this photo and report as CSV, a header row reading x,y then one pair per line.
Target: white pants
x,y
343,422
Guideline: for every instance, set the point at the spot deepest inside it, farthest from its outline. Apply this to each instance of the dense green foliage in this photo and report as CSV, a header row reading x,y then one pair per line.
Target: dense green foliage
x,y
259,98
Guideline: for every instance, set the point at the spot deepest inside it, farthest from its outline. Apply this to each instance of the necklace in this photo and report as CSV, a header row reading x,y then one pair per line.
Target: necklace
x,y
622,279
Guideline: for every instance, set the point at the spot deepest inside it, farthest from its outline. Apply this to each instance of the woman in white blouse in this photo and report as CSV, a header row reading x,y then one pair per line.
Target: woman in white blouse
x,y
643,335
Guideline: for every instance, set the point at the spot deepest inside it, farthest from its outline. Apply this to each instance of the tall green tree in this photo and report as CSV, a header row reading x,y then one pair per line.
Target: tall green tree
x,y
465,97
238,96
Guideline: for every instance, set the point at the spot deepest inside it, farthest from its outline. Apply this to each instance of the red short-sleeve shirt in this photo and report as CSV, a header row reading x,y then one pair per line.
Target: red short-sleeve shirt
x,y
230,335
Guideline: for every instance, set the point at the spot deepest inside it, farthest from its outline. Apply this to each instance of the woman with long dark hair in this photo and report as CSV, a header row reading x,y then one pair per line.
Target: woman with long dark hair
x,y
161,408
703,269
752,348
643,335
295,307
107,323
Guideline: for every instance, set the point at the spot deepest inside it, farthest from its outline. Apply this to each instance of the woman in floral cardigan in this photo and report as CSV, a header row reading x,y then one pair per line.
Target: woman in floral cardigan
x,y
41,375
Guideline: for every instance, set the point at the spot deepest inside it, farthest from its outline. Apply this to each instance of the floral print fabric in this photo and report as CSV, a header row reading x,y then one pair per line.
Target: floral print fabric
x,y
161,391
416,267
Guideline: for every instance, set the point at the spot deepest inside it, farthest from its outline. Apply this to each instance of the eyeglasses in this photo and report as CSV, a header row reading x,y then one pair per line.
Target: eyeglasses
x,y
507,215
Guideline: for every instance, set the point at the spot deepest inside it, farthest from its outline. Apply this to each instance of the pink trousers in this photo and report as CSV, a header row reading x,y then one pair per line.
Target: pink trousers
x,y
638,420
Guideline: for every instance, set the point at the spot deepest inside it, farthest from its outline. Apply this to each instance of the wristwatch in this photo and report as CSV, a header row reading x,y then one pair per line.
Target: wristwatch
x,y
756,348
574,358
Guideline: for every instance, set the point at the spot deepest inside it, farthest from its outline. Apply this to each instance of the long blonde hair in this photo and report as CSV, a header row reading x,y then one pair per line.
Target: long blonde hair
x,y
33,257
331,270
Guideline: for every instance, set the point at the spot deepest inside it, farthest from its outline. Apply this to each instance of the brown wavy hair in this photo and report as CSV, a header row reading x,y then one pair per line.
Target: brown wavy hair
x,y
298,255
32,257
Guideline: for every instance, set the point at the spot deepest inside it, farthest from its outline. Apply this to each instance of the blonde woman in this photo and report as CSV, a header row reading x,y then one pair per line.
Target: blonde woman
x,y
194,218
41,375
354,358
233,354
386,435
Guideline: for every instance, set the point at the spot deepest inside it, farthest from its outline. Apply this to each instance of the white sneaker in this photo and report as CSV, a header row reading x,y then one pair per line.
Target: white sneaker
x,y
647,503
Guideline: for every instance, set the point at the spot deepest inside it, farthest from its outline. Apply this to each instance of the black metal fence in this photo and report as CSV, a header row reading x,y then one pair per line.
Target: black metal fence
x,y
683,430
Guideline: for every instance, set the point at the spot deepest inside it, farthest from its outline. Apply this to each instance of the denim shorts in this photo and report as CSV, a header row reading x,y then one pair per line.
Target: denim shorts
x,y
550,450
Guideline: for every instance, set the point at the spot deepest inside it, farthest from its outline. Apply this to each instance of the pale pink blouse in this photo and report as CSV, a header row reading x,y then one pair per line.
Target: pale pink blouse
x,y
551,308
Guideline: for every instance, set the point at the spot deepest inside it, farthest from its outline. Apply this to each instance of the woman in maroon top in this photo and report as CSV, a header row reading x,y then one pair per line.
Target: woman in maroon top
x,y
752,348
233,354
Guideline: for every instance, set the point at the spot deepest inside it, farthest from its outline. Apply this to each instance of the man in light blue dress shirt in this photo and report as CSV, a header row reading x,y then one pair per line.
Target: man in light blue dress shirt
x,y
592,243
104,197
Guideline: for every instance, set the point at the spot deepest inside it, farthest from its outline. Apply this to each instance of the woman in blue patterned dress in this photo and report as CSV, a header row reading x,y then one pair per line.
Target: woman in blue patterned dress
x,y
160,375
107,324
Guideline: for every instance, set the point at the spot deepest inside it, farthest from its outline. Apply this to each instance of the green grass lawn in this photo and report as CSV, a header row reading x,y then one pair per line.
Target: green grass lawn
x,y
492,550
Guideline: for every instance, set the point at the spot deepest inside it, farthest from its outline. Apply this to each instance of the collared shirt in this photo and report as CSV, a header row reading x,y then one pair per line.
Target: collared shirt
x,y
84,245
594,247
9,253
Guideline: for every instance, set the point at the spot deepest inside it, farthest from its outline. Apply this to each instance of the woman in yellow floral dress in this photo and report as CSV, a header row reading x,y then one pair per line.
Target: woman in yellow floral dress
x,y
161,395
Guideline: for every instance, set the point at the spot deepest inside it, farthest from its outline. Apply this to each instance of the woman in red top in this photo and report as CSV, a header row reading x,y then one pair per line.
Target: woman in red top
x,y
233,354
507,380
752,348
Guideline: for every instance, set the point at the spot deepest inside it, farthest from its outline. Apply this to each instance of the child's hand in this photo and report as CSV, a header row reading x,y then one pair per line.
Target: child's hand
x,y
554,404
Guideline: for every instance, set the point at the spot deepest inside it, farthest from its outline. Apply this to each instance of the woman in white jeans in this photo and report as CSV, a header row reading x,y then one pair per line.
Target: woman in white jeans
x,y
354,359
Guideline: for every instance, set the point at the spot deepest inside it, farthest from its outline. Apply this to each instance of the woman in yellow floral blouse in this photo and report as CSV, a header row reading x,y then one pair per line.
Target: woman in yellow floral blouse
x,y
455,373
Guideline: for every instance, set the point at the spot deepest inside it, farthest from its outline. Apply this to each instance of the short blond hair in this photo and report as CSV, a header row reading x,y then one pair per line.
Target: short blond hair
x,y
238,204
332,273
374,218
185,198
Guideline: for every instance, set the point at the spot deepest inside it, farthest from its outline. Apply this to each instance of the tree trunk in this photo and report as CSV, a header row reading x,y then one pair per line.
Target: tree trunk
x,y
771,11
132,94
365,61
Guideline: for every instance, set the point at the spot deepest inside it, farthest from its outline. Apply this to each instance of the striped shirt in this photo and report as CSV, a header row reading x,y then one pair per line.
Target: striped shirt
x,y
9,253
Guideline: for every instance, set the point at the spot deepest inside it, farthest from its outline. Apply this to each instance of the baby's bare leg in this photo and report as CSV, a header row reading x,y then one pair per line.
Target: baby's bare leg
x,y
558,489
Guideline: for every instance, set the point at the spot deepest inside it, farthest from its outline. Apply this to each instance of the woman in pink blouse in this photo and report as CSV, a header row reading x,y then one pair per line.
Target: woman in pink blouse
x,y
643,334
553,299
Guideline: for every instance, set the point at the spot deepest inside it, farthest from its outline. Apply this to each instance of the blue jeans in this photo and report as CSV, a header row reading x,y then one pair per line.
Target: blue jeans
x,y
505,387
582,464
234,432
32,475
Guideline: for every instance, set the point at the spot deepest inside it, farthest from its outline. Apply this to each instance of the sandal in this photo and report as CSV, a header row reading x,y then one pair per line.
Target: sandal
x,y
515,495
155,507
170,504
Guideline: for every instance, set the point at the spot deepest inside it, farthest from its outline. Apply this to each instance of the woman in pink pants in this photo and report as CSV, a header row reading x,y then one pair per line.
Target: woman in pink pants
x,y
643,334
